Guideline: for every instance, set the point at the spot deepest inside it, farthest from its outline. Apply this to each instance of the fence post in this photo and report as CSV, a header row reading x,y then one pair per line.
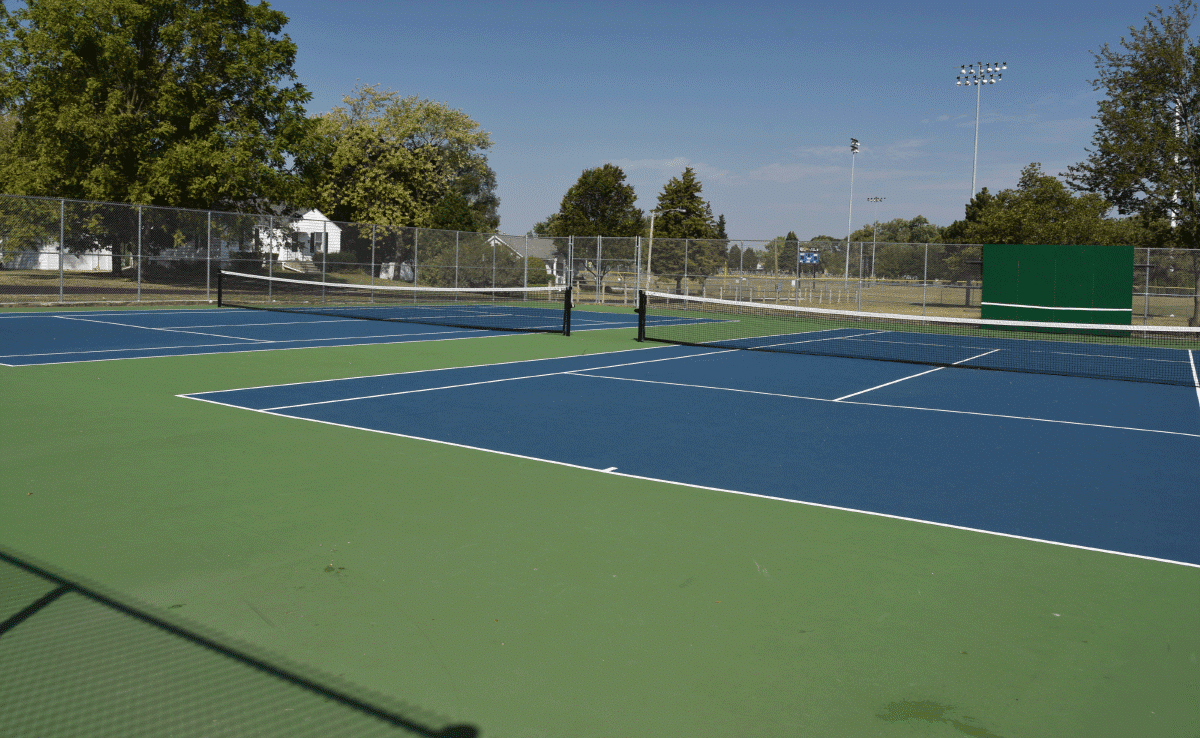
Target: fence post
x,y
494,245
637,266
525,278
599,271
925,281
324,257
1146,297
271,262
416,233
139,256
860,268
456,260
372,260
208,258
685,267
796,284
62,235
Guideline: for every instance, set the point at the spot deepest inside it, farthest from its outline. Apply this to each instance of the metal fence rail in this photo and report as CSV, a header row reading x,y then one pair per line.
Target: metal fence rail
x,y
72,252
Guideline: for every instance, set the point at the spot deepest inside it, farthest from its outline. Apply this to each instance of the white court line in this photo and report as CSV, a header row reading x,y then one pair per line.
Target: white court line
x,y
583,373
481,382
438,369
130,311
164,330
913,376
710,489
1195,378
263,342
261,347
827,338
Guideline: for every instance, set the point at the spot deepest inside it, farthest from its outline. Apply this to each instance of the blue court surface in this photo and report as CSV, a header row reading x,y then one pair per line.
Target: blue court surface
x,y
1092,463
70,336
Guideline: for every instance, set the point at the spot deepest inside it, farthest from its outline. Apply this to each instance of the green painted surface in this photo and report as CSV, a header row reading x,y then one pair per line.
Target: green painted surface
x,y
532,599
1058,277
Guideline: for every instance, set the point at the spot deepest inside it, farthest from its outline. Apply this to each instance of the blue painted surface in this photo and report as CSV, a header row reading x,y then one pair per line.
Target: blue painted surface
x,y
98,335
895,450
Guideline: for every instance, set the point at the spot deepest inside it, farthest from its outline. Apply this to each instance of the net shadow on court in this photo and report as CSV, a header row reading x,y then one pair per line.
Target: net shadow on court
x,y
75,660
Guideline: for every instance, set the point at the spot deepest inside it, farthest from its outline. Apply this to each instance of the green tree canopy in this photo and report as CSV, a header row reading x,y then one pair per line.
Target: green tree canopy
x,y
1145,155
685,233
779,254
1041,210
600,203
750,259
164,102
733,257
383,158
900,230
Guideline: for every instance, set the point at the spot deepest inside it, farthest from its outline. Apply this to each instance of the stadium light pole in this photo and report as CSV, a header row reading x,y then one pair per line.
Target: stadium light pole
x,y
979,74
875,232
850,215
650,248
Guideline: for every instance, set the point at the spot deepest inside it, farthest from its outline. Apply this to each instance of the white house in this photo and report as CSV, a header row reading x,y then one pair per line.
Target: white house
x,y
312,233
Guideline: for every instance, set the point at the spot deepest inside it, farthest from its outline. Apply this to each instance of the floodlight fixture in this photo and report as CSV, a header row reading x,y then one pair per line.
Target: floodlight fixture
x,y
979,74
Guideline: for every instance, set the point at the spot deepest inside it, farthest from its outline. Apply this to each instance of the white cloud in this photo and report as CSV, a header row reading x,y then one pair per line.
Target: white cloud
x,y
783,173
673,166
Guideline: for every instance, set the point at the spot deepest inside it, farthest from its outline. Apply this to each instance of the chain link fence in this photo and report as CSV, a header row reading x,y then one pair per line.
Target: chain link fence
x,y
64,252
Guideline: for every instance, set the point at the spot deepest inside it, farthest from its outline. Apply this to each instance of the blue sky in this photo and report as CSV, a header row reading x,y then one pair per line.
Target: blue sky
x,y
760,98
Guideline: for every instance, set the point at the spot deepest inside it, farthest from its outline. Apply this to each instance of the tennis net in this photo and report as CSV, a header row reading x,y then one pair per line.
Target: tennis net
x,y
541,309
1159,354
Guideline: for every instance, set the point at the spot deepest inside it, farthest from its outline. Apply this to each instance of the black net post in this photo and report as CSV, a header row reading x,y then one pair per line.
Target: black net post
x,y
220,274
567,313
641,311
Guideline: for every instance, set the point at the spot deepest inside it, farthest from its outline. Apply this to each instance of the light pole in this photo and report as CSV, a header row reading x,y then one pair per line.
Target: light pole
x,y
875,233
650,248
979,75
850,215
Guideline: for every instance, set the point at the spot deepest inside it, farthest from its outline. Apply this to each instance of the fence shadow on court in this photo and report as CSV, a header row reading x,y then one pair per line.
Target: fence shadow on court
x,y
77,660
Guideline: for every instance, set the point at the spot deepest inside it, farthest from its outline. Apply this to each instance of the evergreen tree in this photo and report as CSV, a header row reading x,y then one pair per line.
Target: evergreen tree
x,y
685,234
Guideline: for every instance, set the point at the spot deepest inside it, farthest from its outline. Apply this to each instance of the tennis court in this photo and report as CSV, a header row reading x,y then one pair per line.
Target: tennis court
x,y
833,427
56,337
538,535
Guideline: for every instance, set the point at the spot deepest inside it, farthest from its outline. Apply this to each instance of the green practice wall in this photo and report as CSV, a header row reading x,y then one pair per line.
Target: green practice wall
x,y
1050,283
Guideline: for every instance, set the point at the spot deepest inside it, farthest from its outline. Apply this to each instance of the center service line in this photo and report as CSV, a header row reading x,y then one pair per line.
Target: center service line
x,y
921,374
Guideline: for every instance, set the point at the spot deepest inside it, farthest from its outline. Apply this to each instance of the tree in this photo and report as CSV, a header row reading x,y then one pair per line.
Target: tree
x,y
164,102
779,254
600,203
750,259
733,258
1041,210
454,213
1145,157
383,158
900,230
960,253
685,233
